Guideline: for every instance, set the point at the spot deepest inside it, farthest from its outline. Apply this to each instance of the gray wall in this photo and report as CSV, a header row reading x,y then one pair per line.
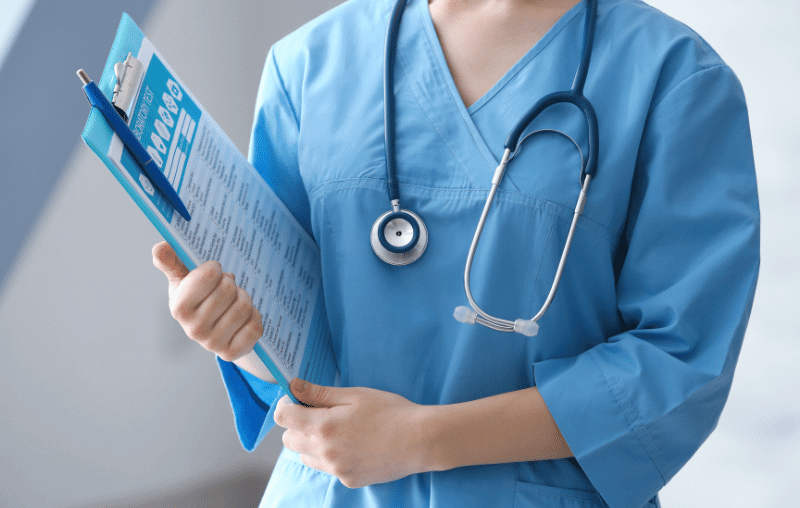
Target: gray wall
x,y
104,402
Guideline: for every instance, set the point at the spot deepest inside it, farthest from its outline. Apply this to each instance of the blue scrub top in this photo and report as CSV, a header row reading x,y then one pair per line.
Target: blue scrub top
x,y
636,355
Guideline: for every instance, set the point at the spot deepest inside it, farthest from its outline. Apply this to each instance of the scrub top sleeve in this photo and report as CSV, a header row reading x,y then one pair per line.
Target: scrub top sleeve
x,y
636,407
273,152
253,402
273,142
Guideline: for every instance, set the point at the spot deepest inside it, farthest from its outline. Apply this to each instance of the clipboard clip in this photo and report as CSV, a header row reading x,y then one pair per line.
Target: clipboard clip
x,y
113,116
129,76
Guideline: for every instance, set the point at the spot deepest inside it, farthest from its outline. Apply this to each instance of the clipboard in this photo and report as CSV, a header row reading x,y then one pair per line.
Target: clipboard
x,y
236,218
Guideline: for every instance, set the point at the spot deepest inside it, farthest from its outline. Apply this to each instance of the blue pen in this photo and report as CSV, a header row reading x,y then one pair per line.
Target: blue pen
x,y
153,172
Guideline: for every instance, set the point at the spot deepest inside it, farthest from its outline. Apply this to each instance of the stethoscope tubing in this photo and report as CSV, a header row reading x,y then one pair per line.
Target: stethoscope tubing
x,y
388,102
588,167
573,96
504,325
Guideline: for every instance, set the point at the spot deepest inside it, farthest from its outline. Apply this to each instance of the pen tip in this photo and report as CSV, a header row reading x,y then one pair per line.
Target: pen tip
x,y
84,77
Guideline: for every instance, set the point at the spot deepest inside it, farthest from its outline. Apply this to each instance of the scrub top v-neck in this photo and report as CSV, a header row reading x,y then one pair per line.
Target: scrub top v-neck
x,y
479,125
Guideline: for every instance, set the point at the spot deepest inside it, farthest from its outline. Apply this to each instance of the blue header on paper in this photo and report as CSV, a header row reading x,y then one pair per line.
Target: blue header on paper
x,y
164,120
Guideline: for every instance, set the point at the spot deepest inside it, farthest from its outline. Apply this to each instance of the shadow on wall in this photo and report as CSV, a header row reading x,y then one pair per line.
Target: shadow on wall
x,y
57,39
241,490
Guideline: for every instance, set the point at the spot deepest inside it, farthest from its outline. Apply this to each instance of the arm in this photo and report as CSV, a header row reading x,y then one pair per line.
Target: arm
x,y
365,436
510,427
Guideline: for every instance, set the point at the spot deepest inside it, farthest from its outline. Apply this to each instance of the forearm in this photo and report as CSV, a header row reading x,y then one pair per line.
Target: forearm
x,y
511,427
253,364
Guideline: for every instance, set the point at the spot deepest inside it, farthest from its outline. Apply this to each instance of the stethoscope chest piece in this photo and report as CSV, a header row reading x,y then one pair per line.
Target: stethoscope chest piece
x,y
399,237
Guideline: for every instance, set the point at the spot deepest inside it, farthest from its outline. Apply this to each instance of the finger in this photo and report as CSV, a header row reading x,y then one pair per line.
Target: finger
x,y
218,301
297,441
231,321
290,415
247,336
318,395
195,288
166,260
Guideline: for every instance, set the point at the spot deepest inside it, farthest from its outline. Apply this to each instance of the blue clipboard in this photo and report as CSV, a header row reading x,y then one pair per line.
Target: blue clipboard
x,y
318,364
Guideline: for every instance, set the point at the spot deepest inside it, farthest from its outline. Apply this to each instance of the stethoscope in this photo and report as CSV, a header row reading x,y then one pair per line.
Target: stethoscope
x,y
399,236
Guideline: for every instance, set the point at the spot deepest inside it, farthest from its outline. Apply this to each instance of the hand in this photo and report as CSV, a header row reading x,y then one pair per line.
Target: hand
x,y
209,306
360,435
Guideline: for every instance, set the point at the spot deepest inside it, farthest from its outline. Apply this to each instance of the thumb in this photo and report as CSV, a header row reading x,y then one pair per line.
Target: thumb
x,y
165,259
317,395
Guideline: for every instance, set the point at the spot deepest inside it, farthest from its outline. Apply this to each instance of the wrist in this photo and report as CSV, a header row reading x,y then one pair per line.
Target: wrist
x,y
433,430
510,427
253,364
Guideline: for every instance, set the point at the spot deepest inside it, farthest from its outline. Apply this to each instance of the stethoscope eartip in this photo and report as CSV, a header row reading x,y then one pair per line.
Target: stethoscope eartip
x,y
465,315
527,327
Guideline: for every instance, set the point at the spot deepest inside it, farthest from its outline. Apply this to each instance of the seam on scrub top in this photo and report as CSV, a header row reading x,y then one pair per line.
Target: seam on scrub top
x,y
326,224
283,89
541,262
567,212
642,434
523,486
430,120
431,47
684,80
528,201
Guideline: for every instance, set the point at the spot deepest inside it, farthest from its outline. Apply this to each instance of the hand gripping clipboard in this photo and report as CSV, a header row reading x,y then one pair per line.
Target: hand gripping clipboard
x,y
236,219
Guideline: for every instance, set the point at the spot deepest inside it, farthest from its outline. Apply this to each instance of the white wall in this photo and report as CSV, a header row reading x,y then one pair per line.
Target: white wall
x,y
13,17
753,458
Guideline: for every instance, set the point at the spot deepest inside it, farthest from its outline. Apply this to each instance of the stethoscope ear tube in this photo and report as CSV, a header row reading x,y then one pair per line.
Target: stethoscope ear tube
x,y
400,250
573,96
588,167
527,327
480,315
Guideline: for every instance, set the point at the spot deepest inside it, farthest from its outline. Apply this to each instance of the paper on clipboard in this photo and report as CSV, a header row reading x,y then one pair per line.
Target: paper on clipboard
x,y
236,218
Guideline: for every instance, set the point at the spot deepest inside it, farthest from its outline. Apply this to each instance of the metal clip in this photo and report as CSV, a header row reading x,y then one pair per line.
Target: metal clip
x,y
129,74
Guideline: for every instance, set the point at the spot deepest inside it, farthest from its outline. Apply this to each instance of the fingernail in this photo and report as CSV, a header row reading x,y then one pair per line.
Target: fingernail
x,y
300,385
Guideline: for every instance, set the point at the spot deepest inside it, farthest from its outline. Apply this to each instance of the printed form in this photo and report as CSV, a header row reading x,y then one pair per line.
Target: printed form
x,y
237,219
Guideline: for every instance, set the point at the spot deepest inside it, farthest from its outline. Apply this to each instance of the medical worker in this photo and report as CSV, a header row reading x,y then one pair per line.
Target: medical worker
x,y
633,360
